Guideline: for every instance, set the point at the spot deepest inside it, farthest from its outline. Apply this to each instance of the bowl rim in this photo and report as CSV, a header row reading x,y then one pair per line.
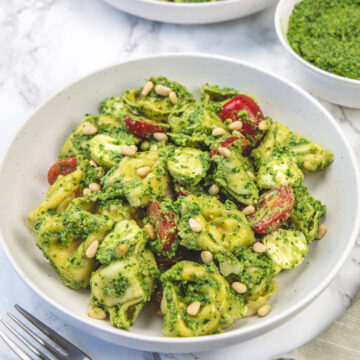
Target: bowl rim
x,y
278,23
222,337
190,5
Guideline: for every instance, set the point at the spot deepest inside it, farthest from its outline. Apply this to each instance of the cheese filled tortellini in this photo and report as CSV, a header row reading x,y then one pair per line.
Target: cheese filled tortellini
x,y
123,287
192,204
197,300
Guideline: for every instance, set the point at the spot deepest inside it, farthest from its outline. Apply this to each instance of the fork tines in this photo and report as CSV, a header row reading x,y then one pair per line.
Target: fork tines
x,y
68,350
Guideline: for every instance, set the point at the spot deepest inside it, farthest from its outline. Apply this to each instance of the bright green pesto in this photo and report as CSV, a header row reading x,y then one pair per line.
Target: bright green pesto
x,y
326,33
70,222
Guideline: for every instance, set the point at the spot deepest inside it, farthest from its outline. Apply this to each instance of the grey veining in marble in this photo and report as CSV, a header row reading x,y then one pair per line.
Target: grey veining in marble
x,y
45,44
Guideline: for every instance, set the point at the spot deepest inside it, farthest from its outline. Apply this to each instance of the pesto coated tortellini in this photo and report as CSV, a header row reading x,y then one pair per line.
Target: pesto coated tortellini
x,y
188,283
123,287
210,192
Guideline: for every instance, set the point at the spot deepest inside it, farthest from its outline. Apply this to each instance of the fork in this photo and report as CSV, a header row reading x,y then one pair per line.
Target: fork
x,y
68,351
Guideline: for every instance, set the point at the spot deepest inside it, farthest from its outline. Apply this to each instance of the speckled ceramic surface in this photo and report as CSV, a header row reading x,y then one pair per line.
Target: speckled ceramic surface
x,y
193,13
38,143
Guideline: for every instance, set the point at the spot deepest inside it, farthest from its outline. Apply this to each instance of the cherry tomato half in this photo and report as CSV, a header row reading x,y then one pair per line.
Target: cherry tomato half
x,y
228,142
143,128
181,191
62,167
164,224
238,103
273,209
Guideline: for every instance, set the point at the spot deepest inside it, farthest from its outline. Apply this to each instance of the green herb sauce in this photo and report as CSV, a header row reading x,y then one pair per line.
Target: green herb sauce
x,y
326,33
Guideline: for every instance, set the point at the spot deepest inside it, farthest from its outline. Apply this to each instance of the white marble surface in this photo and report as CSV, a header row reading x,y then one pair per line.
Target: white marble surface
x,y
45,44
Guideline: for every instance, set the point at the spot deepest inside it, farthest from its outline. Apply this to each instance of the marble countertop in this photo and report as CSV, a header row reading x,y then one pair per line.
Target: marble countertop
x,y
48,43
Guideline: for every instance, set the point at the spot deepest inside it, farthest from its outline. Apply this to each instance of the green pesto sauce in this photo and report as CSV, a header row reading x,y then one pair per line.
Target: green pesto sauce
x,y
326,33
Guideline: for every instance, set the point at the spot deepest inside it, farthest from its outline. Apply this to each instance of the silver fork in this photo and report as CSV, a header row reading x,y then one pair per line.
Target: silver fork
x,y
68,350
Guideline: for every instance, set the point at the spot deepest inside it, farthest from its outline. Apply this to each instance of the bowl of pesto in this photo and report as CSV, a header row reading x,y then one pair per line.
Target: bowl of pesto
x,y
190,11
175,203
324,36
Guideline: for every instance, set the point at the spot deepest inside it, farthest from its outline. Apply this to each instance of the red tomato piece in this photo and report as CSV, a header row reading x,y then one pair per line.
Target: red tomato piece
x,y
143,128
238,103
165,224
62,167
181,191
228,142
273,209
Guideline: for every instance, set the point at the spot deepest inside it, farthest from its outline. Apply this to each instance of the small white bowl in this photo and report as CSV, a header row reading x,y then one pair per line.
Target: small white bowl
x,y
331,87
37,145
190,13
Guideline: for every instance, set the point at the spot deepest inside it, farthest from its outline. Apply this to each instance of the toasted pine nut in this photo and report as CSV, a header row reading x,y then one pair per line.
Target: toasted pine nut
x,y
149,229
147,88
194,225
236,125
213,189
207,257
224,151
321,231
127,150
162,90
89,129
97,313
93,163
92,249
173,98
86,192
100,173
159,136
145,145
193,308
121,250
263,125
259,247
143,171
133,147
263,310
248,210
251,174
218,132
94,187
239,287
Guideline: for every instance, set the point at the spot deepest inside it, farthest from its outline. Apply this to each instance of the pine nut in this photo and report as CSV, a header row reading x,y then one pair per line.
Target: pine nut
x,y
89,129
193,308
207,257
93,163
159,136
147,88
127,150
97,313
218,132
248,210
86,192
92,249
145,145
93,187
195,226
224,151
100,173
173,98
263,125
321,231
251,174
259,248
237,133
263,310
162,90
213,189
143,171
121,250
150,230
239,287
134,148
236,125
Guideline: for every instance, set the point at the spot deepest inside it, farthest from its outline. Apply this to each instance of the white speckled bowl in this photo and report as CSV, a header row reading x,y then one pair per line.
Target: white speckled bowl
x,y
35,148
331,87
190,13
